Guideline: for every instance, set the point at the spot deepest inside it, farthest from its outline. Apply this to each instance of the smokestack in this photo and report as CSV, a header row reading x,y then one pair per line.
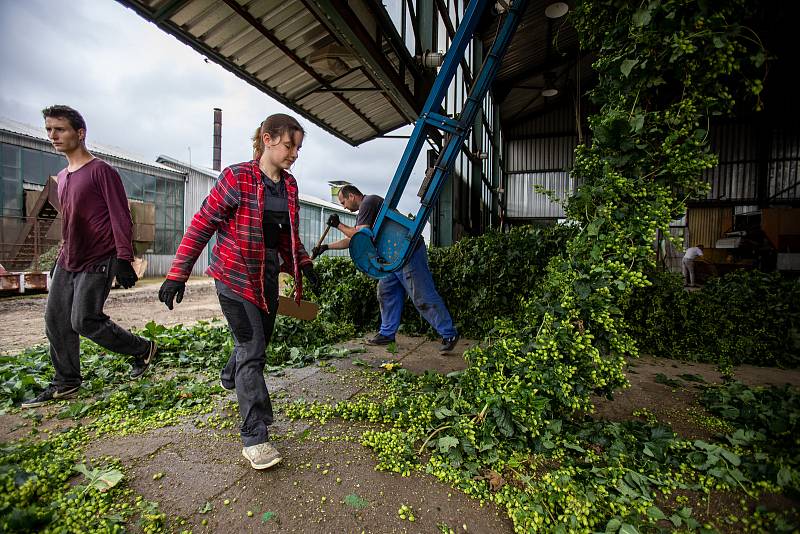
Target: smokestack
x,y
217,165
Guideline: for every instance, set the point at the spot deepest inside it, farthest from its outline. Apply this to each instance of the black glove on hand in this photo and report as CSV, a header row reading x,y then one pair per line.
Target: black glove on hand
x,y
313,279
318,251
126,276
333,220
170,290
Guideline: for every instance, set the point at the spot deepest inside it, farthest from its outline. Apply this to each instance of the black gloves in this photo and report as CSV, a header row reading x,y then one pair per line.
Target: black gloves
x,y
169,290
313,279
333,220
318,251
126,276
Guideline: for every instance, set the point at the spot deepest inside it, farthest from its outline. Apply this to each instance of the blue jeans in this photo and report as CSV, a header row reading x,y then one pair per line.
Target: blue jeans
x,y
414,279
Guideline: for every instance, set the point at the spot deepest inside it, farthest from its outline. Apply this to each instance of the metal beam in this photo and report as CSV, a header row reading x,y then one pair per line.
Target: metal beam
x,y
324,21
387,246
256,24
340,19
503,87
168,9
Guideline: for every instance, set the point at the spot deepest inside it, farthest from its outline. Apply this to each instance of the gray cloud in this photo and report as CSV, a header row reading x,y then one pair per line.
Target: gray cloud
x,y
144,91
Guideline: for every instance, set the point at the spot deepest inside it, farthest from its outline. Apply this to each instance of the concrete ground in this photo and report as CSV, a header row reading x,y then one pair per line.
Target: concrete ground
x,y
327,481
22,323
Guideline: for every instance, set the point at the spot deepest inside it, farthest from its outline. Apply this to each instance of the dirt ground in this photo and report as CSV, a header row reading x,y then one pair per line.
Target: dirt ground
x,y
22,316
327,481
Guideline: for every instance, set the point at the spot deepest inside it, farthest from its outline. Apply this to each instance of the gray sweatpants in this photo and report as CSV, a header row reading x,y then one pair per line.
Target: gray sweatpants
x,y
75,308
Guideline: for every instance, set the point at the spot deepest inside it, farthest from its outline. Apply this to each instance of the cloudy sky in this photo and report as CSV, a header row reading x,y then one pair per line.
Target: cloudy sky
x,y
143,91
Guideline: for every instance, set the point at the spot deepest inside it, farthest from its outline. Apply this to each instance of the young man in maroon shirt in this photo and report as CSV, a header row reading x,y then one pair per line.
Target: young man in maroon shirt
x,y
96,229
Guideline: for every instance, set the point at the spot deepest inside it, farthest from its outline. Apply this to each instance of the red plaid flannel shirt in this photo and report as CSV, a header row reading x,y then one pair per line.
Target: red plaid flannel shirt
x,y
234,209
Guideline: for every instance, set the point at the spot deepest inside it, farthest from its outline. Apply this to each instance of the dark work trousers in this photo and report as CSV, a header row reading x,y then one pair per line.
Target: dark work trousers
x,y
252,329
75,308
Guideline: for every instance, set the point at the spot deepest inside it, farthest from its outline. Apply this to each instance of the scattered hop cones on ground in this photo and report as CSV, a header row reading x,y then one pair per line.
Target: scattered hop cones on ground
x,y
405,512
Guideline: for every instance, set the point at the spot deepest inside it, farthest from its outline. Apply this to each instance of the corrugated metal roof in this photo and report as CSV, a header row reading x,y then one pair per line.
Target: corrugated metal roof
x,y
185,167
543,53
321,62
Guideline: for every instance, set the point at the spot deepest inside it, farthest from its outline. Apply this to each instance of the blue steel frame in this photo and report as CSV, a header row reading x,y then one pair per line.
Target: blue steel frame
x,y
388,244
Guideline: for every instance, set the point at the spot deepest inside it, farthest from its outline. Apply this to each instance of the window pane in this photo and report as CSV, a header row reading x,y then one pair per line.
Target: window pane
x,y
53,163
32,166
12,198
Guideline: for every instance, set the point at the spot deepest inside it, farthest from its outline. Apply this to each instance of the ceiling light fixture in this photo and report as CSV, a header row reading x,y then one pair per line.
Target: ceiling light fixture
x,y
549,85
556,10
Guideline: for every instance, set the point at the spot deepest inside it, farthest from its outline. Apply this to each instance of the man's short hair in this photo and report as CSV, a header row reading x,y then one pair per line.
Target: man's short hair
x,y
65,112
350,190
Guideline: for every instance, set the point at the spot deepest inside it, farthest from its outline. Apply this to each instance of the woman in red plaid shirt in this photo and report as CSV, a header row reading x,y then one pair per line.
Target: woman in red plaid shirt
x,y
254,210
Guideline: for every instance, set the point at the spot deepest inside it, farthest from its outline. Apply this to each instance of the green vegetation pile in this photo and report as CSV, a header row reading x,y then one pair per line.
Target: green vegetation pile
x,y
744,317
512,427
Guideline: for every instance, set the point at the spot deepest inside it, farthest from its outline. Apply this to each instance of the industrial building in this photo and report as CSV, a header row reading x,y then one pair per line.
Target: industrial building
x,y
174,190
361,69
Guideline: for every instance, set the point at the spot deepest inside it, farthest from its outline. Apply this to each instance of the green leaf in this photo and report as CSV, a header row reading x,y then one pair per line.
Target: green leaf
x,y
100,479
613,525
637,122
732,458
555,425
784,477
655,513
642,17
266,516
502,419
205,508
574,447
447,442
627,528
594,226
627,66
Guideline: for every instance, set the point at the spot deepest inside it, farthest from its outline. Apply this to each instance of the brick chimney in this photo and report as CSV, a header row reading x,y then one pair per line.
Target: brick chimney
x,y
217,156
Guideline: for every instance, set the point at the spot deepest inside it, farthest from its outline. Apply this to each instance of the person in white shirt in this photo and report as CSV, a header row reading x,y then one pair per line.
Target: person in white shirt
x,y
687,265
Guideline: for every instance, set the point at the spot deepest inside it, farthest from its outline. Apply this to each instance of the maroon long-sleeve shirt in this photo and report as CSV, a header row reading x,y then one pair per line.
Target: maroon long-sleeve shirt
x,y
95,218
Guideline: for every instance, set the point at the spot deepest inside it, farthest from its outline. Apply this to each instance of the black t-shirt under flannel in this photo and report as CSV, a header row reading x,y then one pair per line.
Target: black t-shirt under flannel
x,y
276,211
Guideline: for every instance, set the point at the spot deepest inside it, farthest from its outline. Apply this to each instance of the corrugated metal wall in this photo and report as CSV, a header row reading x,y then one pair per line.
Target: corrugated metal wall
x,y
312,224
525,203
540,152
197,186
706,225
784,179
735,175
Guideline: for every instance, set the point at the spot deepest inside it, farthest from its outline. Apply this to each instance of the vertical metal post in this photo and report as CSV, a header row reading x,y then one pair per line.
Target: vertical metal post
x,y
36,244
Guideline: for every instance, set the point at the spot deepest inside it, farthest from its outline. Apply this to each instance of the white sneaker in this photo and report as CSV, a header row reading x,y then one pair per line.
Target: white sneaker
x,y
262,456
